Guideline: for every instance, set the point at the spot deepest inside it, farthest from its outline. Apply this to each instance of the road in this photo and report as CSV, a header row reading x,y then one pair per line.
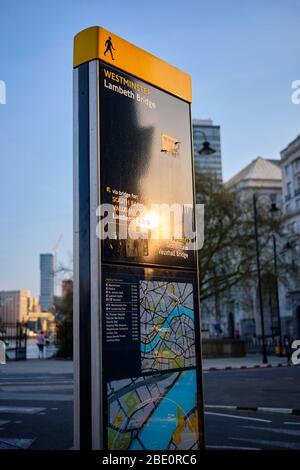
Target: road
x,y
274,387
36,407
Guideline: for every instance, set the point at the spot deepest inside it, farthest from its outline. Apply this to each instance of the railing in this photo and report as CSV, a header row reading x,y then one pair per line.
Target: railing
x,y
254,345
14,335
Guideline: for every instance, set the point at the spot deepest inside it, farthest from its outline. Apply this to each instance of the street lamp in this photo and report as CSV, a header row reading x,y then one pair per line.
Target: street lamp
x,y
206,149
261,308
274,209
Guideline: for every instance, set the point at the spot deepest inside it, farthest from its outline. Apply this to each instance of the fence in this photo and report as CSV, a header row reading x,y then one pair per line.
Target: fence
x,y
254,345
14,335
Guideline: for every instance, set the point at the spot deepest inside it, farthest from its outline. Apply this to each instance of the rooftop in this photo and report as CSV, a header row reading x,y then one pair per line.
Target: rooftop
x,y
260,169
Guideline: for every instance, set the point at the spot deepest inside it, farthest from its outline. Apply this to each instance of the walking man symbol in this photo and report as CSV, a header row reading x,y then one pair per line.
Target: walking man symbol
x,y
109,46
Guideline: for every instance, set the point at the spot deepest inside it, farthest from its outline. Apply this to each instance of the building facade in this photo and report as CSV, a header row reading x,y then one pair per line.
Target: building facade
x,y
239,312
46,281
66,287
205,130
290,166
261,177
14,306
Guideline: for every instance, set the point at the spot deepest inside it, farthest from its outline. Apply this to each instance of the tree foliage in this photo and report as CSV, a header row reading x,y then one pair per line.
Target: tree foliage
x,y
228,256
64,335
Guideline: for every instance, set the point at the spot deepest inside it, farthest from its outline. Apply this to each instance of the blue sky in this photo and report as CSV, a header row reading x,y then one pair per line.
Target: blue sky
x,y
242,56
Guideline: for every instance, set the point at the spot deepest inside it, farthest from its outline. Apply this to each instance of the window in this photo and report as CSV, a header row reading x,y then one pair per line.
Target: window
x,y
287,170
297,164
298,203
289,189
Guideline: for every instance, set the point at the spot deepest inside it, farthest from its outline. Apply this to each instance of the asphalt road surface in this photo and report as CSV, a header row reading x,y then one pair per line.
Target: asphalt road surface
x,y
274,387
36,409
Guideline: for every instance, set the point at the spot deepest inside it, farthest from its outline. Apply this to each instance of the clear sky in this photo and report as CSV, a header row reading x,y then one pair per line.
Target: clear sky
x,y
242,55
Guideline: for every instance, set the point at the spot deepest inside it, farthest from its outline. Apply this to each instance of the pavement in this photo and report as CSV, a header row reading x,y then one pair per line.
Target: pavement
x,y
245,408
250,361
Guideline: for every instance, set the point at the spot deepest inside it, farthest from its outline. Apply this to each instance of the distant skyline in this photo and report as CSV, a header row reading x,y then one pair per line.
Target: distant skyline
x,y
243,57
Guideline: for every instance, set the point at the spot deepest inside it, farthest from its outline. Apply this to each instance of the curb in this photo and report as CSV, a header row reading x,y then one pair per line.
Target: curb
x,y
254,366
263,409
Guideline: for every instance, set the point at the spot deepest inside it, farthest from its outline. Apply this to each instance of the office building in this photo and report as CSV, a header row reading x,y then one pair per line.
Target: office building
x,y
46,281
205,131
14,306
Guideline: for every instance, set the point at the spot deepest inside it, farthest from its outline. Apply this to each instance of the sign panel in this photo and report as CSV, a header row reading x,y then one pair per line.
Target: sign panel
x,y
145,159
150,358
138,377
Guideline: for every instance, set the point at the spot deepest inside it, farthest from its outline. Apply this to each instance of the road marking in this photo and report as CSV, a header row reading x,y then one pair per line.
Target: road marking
x,y
238,417
220,407
9,443
21,410
232,447
288,432
292,422
35,396
284,445
275,410
3,422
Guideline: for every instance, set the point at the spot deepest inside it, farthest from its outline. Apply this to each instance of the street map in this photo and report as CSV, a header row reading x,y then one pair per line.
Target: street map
x,y
166,325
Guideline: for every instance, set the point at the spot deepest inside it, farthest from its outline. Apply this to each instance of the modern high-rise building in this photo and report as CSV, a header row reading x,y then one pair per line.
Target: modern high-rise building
x,y
205,131
46,281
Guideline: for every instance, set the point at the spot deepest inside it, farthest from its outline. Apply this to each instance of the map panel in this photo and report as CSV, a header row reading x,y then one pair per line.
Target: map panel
x,y
153,412
166,325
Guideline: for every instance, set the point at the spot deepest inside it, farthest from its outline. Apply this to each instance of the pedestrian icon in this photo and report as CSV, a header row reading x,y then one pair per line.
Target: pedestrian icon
x,y
109,46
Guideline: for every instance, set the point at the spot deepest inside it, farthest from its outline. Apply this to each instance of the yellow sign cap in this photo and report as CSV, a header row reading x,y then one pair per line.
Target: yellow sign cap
x,y
98,43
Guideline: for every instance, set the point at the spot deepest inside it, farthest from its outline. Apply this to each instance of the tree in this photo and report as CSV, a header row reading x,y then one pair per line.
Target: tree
x,y
64,336
228,256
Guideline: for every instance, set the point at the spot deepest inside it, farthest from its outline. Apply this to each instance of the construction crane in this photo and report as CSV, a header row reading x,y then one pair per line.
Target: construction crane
x,y
54,251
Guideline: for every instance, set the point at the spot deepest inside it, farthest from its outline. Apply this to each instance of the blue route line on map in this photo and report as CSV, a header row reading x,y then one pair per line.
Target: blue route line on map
x,y
177,312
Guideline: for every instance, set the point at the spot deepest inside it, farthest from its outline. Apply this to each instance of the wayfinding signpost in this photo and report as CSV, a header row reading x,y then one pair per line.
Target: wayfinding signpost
x,y
138,377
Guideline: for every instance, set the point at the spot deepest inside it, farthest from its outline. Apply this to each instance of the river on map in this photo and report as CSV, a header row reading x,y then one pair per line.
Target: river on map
x,y
157,432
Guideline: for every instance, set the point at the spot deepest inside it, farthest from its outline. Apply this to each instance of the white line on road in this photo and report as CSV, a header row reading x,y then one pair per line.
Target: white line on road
x,y
220,407
275,410
5,396
21,410
238,417
274,444
232,447
288,432
10,443
3,422
292,422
